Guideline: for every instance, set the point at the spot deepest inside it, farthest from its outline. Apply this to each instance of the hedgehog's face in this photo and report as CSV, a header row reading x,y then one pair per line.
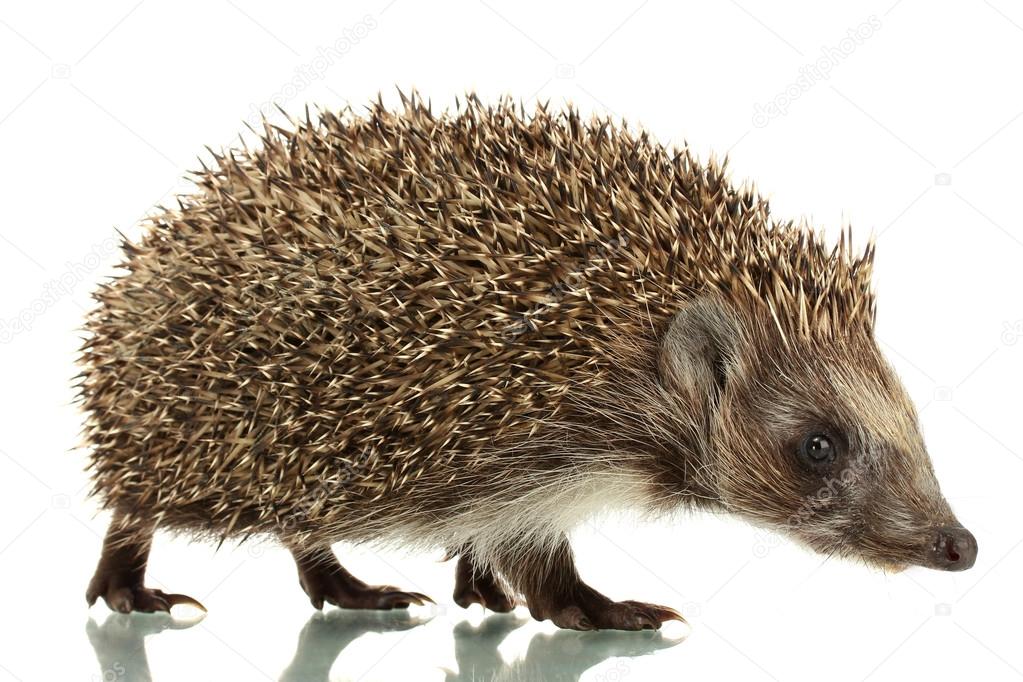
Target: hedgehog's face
x,y
816,439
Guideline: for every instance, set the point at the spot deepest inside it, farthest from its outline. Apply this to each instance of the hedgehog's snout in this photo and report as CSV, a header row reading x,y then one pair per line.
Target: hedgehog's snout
x,y
953,549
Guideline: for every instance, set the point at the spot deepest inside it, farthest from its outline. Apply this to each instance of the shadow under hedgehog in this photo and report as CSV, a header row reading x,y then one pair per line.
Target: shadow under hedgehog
x,y
472,330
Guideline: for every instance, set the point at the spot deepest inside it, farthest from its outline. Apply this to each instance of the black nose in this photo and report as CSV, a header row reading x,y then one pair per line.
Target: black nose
x,y
955,549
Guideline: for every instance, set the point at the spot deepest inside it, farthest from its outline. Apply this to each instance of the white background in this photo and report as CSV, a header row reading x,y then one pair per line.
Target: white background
x,y
915,134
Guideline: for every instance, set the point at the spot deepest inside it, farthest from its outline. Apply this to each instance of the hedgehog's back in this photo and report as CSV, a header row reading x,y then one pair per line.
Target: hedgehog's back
x,y
360,305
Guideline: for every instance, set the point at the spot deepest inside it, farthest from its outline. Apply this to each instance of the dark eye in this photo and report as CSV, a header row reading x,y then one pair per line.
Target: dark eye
x,y
817,449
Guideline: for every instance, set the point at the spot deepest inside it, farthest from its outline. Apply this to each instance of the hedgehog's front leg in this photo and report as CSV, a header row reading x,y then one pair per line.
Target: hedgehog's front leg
x,y
120,575
324,579
553,589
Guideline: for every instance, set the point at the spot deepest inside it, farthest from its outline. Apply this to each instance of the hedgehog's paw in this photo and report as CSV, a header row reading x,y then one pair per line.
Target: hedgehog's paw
x,y
634,615
340,588
484,591
128,598
324,579
590,610
477,583
365,597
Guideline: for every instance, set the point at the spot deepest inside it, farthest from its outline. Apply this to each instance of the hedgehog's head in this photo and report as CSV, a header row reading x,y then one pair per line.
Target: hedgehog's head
x,y
811,435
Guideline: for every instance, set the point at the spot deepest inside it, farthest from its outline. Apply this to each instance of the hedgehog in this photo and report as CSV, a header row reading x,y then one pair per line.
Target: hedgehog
x,y
473,330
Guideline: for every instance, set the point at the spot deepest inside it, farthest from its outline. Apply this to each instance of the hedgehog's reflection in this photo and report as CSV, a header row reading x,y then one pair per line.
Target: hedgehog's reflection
x,y
326,634
562,656
120,646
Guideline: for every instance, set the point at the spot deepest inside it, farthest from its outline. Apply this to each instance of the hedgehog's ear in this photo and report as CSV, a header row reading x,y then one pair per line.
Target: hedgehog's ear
x,y
697,352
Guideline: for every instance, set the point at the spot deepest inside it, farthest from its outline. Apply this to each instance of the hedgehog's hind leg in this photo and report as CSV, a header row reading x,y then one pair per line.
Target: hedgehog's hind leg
x,y
324,579
547,578
121,572
478,584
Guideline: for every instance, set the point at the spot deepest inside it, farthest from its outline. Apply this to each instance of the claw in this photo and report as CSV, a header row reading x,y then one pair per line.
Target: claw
x,y
674,615
176,599
661,613
407,598
423,599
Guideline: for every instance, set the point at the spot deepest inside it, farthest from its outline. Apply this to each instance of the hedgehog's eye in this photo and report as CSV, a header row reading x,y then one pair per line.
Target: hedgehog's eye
x,y
817,450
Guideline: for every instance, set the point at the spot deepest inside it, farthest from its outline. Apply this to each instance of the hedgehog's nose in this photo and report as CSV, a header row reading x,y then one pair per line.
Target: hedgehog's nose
x,y
954,549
